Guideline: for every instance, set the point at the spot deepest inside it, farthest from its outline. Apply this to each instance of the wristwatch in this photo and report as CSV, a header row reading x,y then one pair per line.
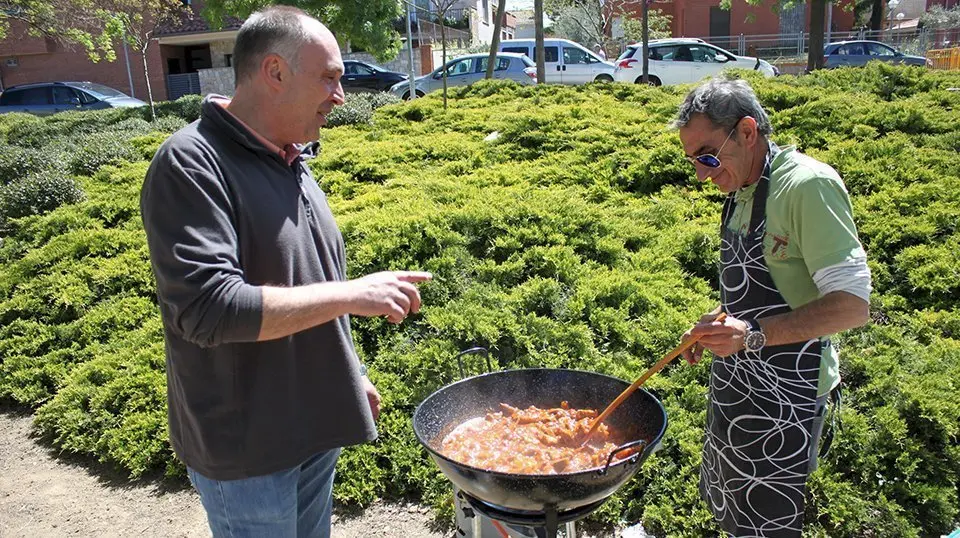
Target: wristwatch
x,y
754,340
363,369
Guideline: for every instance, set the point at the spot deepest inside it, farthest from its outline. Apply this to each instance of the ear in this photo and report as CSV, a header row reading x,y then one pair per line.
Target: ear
x,y
748,131
273,71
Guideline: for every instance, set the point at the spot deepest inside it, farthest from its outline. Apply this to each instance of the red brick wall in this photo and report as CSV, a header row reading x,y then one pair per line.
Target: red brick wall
x,y
426,58
17,42
51,63
691,18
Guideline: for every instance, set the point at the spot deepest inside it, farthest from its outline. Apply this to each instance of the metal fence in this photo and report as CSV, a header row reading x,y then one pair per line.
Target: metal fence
x,y
787,47
183,84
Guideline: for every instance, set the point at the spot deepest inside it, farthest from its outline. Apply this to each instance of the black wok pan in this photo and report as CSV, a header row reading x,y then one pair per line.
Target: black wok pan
x,y
641,420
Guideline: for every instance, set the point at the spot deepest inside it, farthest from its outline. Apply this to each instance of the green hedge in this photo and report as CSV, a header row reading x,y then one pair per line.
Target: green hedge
x,y
358,108
38,155
576,238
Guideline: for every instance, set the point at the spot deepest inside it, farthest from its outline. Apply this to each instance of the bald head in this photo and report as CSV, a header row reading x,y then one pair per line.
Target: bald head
x,y
278,30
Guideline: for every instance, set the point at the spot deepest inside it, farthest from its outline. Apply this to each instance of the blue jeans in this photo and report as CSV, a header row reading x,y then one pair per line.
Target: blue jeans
x,y
293,503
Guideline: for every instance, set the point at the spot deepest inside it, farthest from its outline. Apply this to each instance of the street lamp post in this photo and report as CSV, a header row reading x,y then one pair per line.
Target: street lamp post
x,y
412,74
891,8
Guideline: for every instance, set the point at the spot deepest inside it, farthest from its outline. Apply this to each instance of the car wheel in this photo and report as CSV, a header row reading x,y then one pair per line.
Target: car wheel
x,y
653,81
603,78
406,96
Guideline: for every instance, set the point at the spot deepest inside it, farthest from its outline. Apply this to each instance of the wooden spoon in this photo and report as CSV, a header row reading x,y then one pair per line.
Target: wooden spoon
x,y
643,378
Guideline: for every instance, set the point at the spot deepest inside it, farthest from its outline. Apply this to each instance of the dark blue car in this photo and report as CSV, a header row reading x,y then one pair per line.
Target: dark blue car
x,y
364,77
858,53
45,98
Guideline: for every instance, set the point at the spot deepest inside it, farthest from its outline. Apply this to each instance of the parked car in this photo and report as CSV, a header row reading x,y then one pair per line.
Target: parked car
x,y
683,60
565,62
858,53
363,77
469,69
45,98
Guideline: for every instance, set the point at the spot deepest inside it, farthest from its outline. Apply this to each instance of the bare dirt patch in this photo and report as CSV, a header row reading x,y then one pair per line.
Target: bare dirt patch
x,y
44,494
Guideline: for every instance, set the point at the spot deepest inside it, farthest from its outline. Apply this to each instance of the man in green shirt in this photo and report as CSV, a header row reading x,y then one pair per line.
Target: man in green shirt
x,y
792,273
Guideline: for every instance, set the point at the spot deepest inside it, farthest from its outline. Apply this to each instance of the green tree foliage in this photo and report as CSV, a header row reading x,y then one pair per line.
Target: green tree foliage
x,y
938,17
660,26
135,22
577,237
367,24
590,22
82,22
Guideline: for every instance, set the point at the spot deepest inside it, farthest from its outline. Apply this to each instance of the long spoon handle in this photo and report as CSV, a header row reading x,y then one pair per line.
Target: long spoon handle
x,y
643,378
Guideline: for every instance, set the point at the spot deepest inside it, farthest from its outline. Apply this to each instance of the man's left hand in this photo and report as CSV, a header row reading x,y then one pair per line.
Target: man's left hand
x,y
373,397
722,338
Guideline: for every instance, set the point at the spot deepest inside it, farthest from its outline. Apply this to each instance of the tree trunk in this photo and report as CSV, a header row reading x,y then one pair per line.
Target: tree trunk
x,y
443,64
538,47
645,37
817,15
146,75
495,44
876,15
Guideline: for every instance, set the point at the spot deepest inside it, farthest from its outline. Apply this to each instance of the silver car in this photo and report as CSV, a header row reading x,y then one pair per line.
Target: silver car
x,y
45,98
468,69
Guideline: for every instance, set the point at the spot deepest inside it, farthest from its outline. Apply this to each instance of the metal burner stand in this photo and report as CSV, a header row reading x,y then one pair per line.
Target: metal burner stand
x,y
545,524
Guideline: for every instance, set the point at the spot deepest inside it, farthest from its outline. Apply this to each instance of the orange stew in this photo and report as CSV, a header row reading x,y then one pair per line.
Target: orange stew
x,y
531,441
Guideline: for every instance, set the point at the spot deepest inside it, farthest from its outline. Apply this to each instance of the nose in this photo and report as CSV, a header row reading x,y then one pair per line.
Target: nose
x,y
338,96
705,173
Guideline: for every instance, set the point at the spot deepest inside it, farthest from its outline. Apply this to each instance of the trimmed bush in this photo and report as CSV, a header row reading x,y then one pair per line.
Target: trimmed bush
x,y
355,110
576,238
17,162
168,124
110,147
358,108
380,99
186,108
35,193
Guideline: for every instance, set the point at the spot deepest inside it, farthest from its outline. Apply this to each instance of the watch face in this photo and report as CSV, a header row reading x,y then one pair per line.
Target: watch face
x,y
754,340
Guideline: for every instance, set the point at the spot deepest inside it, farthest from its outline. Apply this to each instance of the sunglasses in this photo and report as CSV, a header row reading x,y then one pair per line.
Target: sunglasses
x,y
708,160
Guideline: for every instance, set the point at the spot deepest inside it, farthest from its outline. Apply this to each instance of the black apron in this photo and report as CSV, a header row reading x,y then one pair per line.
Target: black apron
x,y
761,407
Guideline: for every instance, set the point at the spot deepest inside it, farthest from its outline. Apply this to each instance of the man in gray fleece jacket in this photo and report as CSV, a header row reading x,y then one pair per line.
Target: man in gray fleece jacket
x,y
263,383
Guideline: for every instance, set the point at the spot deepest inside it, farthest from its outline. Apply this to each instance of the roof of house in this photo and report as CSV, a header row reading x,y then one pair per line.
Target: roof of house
x,y
192,23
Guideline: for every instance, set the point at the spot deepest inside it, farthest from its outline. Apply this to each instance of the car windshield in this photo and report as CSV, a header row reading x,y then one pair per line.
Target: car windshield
x,y
628,53
99,90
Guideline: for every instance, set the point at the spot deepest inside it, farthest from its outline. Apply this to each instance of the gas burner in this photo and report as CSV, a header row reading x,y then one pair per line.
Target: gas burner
x,y
545,523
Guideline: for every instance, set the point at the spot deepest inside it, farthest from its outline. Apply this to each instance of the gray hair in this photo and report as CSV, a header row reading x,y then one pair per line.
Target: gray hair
x,y
724,101
275,30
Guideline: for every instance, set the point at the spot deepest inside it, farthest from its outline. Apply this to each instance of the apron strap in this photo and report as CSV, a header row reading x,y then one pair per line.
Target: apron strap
x,y
836,423
759,209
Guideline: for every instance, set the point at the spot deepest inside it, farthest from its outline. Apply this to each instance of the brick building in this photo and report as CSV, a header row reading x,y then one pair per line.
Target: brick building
x,y
25,59
704,18
175,60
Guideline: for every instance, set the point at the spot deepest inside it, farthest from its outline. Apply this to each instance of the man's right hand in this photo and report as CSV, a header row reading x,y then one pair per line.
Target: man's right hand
x,y
389,293
694,353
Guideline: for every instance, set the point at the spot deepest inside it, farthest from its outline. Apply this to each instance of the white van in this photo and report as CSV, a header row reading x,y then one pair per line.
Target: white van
x,y
566,62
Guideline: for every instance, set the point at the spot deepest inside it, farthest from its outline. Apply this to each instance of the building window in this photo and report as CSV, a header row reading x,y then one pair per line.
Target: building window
x,y
486,11
228,60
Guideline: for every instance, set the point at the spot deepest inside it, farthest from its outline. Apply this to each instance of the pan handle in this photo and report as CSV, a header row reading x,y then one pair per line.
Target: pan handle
x,y
472,351
621,448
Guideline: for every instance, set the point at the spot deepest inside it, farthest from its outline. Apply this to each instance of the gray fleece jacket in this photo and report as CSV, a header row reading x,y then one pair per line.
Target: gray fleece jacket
x,y
224,215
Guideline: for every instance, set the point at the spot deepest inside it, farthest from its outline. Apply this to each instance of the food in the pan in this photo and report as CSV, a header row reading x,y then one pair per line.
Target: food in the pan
x,y
531,441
